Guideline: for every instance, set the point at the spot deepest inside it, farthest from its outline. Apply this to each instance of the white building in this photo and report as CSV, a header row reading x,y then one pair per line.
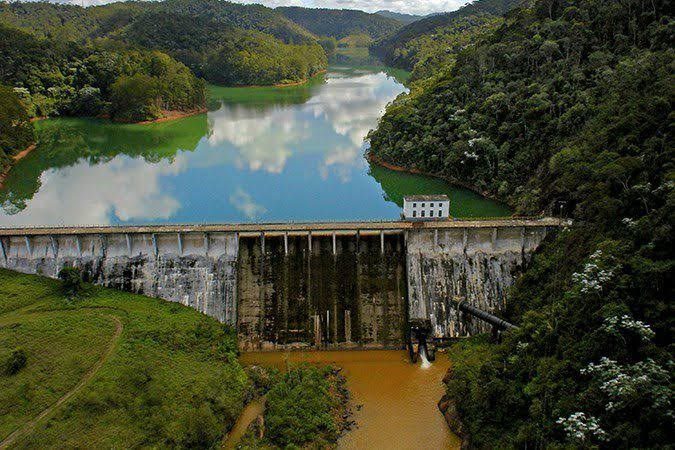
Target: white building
x,y
426,207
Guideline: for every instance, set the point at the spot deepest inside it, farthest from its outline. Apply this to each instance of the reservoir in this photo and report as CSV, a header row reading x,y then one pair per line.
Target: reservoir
x,y
259,155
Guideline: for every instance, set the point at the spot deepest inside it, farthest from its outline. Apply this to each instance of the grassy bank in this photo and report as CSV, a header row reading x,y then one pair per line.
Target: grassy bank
x,y
155,373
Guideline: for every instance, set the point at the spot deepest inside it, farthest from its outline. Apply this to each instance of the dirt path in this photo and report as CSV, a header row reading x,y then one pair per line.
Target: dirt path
x,y
246,418
9,440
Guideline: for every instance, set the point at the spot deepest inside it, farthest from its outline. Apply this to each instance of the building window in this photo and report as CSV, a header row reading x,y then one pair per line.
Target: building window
x,y
431,205
422,213
423,205
414,213
414,205
440,212
431,213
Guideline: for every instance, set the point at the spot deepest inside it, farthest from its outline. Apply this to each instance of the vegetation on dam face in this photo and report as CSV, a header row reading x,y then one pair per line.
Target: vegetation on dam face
x,y
313,296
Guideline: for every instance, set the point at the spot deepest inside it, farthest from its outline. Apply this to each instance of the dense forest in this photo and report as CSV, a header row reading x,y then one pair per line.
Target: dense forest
x,y
403,49
434,54
405,19
16,131
223,54
221,41
565,108
340,23
64,78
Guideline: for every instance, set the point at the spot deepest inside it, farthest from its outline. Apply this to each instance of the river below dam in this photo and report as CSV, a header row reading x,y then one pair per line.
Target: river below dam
x,y
258,155
394,402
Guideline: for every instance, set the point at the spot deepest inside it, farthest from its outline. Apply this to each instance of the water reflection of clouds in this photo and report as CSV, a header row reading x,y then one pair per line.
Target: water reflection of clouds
x,y
261,140
343,160
265,139
353,105
244,203
328,130
123,188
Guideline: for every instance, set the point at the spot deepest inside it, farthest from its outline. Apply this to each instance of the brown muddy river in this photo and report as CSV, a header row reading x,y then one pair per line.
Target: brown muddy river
x,y
398,399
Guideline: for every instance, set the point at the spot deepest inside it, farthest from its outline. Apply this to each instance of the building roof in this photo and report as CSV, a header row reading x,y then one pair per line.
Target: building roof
x,y
426,198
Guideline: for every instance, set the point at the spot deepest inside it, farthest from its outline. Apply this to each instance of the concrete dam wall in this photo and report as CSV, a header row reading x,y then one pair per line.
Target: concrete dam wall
x,y
297,285
195,270
327,291
477,265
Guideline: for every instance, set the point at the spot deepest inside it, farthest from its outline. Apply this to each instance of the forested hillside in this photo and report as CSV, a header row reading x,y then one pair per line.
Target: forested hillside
x,y
434,54
565,108
224,54
340,23
222,41
71,22
56,77
16,130
405,19
402,49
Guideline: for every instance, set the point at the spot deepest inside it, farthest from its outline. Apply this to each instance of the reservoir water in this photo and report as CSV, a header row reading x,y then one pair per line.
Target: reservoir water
x,y
394,401
259,154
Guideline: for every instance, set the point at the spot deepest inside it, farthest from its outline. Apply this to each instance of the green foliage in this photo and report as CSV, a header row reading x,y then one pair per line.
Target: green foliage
x,y
224,54
135,98
254,17
298,410
262,379
71,279
73,23
430,52
172,380
64,78
340,23
256,60
360,40
224,42
16,361
405,19
567,101
16,130
401,49
329,45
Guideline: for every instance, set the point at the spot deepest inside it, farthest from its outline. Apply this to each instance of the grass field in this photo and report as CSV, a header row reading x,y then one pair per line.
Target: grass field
x,y
140,371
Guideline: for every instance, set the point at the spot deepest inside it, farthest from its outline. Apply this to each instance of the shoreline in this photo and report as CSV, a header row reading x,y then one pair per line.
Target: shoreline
x,y
277,85
169,115
15,159
380,162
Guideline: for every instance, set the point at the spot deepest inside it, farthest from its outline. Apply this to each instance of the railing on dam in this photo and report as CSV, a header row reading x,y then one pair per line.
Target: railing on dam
x,y
287,227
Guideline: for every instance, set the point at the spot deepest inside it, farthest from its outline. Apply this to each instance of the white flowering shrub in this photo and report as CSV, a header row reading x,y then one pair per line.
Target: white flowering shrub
x,y
595,274
618,325
522,346
630,223
471,155
645,381
581,428
472,142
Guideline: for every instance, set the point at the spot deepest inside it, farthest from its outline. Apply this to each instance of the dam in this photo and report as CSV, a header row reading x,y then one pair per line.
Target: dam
x,y
300,285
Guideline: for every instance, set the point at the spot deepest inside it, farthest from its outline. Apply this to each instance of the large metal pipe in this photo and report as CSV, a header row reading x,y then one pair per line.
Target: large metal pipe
x,y
493,320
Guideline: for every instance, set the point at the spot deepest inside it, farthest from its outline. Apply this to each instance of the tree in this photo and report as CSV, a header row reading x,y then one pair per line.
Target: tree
x,y
71,277
15,362
16,130
135,98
